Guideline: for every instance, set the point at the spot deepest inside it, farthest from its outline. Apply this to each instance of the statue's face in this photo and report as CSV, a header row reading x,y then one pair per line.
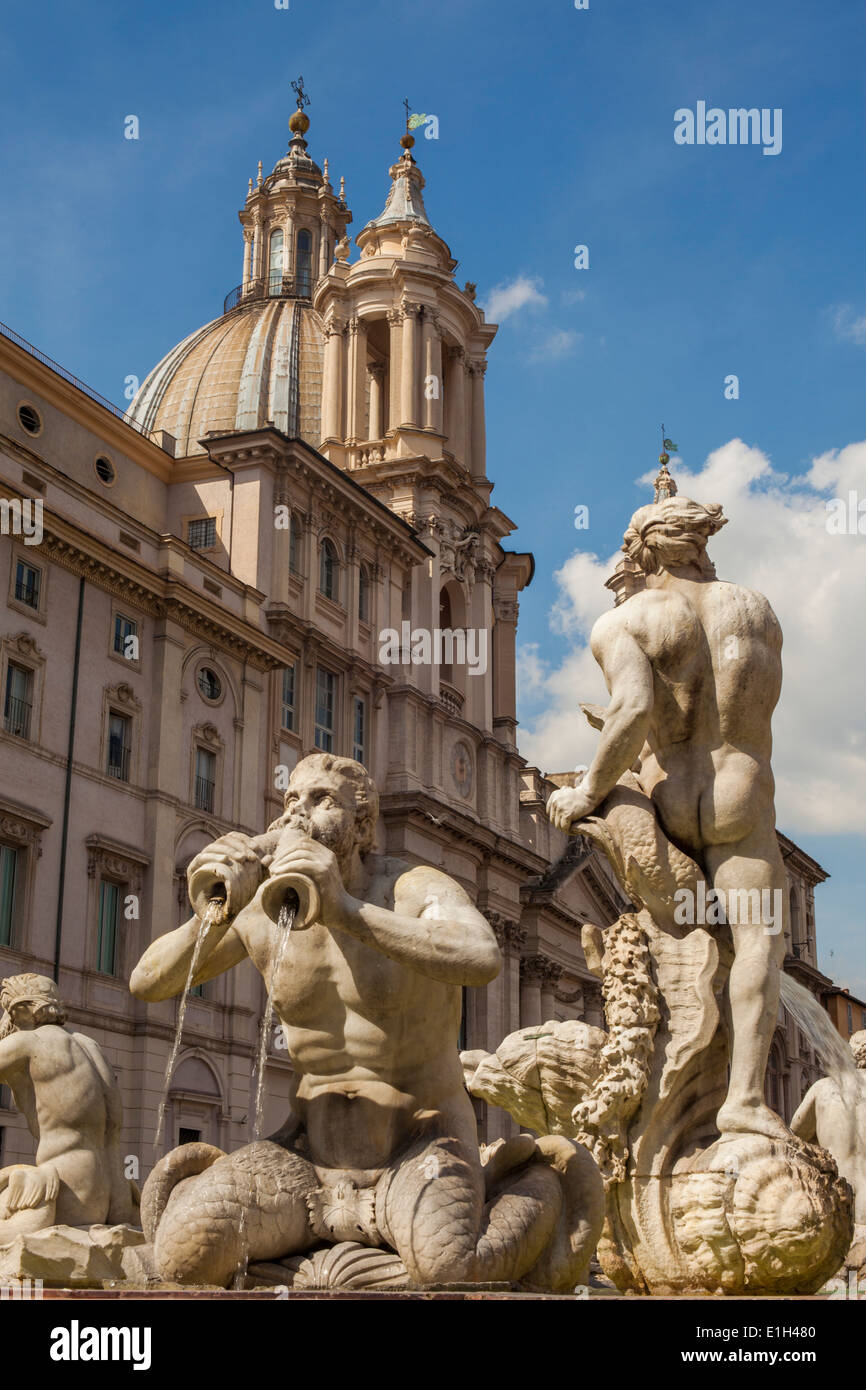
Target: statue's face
x,y
322,804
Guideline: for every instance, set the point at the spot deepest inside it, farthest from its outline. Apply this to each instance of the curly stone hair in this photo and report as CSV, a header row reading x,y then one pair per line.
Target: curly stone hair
x,y
673,532
366,795
37,990
857,1043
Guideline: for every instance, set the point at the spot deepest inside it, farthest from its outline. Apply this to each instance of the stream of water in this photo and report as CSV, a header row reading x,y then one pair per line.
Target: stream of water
x,y
285,921
834,1054
212,913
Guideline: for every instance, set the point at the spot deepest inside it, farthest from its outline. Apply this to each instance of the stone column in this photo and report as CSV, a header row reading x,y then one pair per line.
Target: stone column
x,y
531,976
455,404
356,424
593,1003
550,979
409,367
505,611
257,247
432,373
395,324
332,383
478,464
289,245
324,230
248,249
377,375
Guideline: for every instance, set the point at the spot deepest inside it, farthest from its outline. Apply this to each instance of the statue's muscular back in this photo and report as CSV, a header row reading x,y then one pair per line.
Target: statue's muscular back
x,y
372,1042
715,651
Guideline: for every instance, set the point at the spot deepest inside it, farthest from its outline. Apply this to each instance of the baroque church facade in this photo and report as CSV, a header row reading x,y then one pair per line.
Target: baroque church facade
x,y
205,604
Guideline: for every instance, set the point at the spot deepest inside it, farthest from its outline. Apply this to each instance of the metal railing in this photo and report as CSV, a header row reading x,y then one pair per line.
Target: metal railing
x,y
118,760
204,790
16,719
27,591
75,381
272,286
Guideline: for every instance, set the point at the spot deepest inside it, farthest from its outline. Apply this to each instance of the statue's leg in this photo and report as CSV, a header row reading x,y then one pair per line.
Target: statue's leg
x,y
434,1209
751,875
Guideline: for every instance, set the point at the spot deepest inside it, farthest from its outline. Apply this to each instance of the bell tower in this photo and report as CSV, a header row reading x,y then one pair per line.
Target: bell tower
x,y
403,412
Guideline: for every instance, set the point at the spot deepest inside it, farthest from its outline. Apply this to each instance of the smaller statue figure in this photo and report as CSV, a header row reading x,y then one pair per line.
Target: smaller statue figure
x,y
838,1123
63,1086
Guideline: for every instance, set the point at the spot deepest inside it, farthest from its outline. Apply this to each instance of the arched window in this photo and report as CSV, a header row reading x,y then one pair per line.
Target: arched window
x,y
797,942
363,594
774,1085
329,570
304,264
275,262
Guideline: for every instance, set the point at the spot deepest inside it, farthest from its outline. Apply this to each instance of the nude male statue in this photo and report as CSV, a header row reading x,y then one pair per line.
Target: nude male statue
x,y
63,1086
693,666
839,1126
369,997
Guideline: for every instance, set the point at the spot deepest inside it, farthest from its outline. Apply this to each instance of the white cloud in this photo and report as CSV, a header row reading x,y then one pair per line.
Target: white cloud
x,y
573,296
777,542
847,326
506,299
558,343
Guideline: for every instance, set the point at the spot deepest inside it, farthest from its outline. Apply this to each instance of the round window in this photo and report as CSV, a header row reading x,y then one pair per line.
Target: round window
x,y
29,419
209,683
105,470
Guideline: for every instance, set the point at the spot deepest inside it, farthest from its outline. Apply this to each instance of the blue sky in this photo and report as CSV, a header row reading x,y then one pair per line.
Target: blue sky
x,y
555,129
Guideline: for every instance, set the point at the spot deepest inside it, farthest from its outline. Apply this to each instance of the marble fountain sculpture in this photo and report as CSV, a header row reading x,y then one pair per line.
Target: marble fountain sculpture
x,y
377,1179
72,1216
706,1188
833,1114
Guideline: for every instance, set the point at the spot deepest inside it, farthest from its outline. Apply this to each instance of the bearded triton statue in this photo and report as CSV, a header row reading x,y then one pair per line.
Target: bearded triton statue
x,y
377,1179
706,1186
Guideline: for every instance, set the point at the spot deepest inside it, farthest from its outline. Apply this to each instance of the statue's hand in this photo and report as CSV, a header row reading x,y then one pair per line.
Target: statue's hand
x,y
320,864
569,805
233,864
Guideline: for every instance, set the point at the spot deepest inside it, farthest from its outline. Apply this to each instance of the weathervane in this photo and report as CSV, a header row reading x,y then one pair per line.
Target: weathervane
x,y
298,89
407,140
665,487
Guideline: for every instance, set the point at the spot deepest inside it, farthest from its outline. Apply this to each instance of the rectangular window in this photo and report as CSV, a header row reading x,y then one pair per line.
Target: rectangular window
x,y
288,716
119,746
294,559
850,1019
188,1136
201,534
110,899
205,778
325,691
27,582
19,700
359,729
8,885
124,628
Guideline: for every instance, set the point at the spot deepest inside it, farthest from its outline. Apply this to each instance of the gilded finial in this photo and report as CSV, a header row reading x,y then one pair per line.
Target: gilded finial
x,y
299,122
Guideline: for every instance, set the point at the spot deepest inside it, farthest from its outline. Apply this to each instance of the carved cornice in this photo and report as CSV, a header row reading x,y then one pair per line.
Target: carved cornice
x,y
115,860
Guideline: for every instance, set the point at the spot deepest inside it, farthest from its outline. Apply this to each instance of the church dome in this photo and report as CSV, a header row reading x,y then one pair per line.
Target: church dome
x,y
261,362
